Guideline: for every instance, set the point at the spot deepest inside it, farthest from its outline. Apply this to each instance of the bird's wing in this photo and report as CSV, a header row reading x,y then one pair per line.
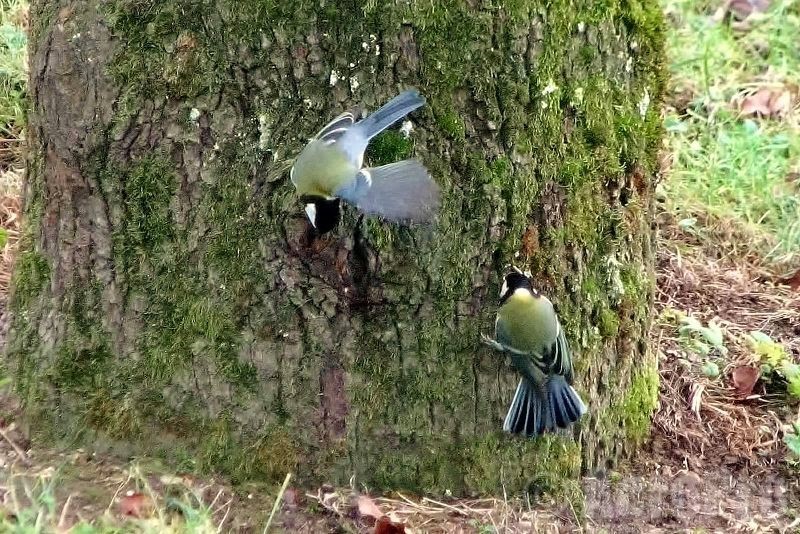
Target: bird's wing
x,y
336,128
401,191
560,357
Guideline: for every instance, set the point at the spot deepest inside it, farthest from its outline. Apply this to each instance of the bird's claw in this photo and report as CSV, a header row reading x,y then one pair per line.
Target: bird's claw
x,y
492,343
504,348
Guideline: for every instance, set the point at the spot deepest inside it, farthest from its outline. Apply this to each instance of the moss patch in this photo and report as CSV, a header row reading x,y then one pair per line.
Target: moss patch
x,y
634,408
230,317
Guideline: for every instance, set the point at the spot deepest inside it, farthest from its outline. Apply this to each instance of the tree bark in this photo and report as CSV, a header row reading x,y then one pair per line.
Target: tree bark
x,y
169,296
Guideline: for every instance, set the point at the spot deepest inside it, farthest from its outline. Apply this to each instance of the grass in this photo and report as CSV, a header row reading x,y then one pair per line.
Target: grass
x,y
33,507
13,66
725,165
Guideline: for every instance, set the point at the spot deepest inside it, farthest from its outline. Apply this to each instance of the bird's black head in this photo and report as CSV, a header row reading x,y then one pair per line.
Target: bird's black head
x,y
514,280
324,214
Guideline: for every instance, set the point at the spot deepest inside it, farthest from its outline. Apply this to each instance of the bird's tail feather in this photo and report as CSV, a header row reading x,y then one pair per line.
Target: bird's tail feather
x,y
534,412
527,413
391,112
566,406
401,191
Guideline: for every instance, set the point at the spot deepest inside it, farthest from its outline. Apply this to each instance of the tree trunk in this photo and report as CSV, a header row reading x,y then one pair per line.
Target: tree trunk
x,y
169,296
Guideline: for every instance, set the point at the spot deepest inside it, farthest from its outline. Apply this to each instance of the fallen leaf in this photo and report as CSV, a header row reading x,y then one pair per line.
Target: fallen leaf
x,y
766,103
739,10
135,504
384,525
792,281
744,379
292,498
368,508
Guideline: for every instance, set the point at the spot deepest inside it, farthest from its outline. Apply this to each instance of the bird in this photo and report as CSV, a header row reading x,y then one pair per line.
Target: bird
x,y
528,329
330,169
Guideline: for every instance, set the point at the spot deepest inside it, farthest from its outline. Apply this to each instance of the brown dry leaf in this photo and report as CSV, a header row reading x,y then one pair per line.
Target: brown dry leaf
x,y
793,179
792,281
136,505
744,379
384,525
368,508
739,10
292,498
766,103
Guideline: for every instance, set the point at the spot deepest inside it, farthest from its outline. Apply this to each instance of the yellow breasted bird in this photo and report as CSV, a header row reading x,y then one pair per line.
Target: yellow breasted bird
x,y
329,168
528,328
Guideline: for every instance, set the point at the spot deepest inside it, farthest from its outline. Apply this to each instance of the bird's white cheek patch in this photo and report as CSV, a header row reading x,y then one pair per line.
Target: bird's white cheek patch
x,y
311,211
503,289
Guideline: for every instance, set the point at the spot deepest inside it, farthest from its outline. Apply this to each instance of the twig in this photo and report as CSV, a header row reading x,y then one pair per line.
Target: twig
x,y
22,456
444,505
278,500
62,520
225,517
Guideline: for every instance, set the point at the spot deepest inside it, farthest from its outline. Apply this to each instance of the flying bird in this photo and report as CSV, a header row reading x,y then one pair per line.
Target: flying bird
x,y
330,169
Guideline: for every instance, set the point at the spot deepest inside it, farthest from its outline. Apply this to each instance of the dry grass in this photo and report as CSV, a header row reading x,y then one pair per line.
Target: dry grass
x,y
442,516
10,213
713,275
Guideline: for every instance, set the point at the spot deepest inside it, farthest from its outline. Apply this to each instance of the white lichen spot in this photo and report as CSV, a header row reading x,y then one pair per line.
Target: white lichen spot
x,y
644,103
634,45
194,114
351,65
544,104
406,128
629,64
365,47
263,129
377,49
216,146
334,78
354,84
550,88
615,277
581,27
579,95
308,103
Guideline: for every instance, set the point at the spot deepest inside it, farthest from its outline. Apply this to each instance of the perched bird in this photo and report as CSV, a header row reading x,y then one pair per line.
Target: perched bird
x,y
329,168
528,329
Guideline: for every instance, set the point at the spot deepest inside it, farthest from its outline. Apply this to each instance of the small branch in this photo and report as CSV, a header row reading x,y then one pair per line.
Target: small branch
x,y
62,520
277,504
22,456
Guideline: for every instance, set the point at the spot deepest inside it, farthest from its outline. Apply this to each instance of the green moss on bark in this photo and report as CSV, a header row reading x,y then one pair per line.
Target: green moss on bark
x,y
230,324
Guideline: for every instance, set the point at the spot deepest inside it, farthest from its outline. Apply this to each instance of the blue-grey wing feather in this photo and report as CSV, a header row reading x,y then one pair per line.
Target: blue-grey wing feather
x,y
336,128
401,191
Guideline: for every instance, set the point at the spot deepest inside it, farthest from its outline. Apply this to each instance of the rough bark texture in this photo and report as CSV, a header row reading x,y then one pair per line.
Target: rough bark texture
x,y
169,296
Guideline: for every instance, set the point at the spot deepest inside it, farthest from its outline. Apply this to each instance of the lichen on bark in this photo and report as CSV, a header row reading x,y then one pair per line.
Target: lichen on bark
x,y
168,294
